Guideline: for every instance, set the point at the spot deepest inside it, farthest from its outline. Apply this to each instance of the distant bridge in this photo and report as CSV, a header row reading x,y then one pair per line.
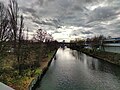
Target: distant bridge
x,y
71,45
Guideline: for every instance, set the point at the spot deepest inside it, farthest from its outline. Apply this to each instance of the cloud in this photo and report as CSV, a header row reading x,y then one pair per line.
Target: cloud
x,y
102,13
86,32
26,9
48,22
70,19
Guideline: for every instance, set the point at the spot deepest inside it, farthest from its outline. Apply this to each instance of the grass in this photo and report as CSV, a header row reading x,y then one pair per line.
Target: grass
x,y
20,82
38,71
11,77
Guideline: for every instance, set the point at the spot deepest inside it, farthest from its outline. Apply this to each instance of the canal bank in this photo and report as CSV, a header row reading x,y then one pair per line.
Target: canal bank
x,y
44,67
110,57
73,70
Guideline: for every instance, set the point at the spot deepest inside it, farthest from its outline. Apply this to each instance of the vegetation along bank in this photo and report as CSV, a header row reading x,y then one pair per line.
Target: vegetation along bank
x,y
107,56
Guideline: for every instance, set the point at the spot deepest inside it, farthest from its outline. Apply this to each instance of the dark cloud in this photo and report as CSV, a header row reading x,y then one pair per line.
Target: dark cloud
x,y
30,10
94,16
86,32
102,13
48,22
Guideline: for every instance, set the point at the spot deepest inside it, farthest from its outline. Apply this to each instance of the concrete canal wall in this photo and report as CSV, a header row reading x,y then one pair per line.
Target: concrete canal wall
x,y
107,56
37,79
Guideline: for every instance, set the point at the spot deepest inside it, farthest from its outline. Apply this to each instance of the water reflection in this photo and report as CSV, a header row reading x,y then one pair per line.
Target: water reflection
x,y
95,64
65,53
74,70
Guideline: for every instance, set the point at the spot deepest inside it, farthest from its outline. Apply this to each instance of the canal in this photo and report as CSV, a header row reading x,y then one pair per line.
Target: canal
x,y
73,70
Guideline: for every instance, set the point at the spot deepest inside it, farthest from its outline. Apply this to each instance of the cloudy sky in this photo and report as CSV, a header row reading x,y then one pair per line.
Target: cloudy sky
x,y
70,19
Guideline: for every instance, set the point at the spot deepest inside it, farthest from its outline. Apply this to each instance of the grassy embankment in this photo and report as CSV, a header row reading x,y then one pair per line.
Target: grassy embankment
x,y
107,56
11,77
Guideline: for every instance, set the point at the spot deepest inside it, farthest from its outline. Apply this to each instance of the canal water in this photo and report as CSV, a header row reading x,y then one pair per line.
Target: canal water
x,y
73,70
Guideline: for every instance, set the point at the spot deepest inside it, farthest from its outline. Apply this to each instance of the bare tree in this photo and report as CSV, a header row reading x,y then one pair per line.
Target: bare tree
x,y
40,35
43,39
20,37
13,15
5,31
17,30
96,41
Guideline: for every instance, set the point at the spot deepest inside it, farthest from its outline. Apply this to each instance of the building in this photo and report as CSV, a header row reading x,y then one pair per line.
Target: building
x,y
111,45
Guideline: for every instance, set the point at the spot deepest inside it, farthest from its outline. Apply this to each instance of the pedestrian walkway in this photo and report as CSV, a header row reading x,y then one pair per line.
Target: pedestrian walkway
x,y
5,87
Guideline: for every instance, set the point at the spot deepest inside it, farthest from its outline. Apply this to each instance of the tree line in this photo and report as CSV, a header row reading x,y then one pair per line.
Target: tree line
x,y
93,42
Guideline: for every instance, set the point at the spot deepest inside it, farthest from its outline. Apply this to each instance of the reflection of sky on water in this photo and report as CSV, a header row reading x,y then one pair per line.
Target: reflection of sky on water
x,y
65,54
73,70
